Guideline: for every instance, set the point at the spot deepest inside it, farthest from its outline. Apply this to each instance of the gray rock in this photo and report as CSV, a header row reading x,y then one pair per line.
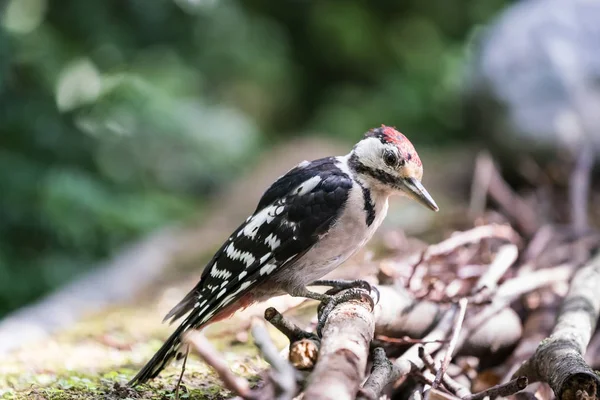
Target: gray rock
x,y
533,84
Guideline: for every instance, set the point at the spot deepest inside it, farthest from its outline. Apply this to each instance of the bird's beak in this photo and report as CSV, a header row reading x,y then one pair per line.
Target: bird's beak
x,y
415,190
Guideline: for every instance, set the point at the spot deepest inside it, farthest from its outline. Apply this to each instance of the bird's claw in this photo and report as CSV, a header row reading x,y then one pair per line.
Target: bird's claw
x,y
327,306
339,285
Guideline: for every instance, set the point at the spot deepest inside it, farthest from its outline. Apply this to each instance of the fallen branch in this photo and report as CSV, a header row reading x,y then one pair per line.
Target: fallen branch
x,y
472,236
344,351
537,327
506,256
200,345
497,327
383,373
505,389
410,361
281,382
579,189
399,314
462,309
304,346
558,359
450,384
522,213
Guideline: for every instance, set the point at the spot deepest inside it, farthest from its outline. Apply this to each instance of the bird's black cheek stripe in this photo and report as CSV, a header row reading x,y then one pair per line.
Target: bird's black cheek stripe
x,y
369,208
380,175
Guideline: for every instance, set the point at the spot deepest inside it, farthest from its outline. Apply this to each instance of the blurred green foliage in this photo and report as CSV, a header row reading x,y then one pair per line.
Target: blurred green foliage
x,y
119,116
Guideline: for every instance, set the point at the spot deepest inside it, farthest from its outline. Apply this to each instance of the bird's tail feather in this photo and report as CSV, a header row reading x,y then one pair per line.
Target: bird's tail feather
x,y
169,350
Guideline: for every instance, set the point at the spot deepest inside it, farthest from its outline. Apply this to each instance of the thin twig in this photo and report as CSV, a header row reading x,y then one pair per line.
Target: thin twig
x,y
283,375
579,189
292,331
409,362
187,352
505,257
201,346
382,373
482,177
523,214
304,346
453,386
505,389
408,340
462,304
472,236
539,242
512,288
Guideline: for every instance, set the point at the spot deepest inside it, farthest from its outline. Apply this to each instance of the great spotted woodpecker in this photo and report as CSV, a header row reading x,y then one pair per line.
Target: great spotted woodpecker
x,y
306,224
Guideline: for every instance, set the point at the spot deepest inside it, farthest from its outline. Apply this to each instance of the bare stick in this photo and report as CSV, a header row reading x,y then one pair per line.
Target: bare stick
x,y
462,304
407,340
286,327
409,362
282,374
506,389
558,360
304,346
399,314
453,386
506,256
579,189
512,288
201,346
344,351
187,352
539,242
471,236
440,332
484,169
511,203
382,373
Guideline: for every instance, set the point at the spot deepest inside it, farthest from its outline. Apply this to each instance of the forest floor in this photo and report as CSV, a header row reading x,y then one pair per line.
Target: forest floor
x,y
95,357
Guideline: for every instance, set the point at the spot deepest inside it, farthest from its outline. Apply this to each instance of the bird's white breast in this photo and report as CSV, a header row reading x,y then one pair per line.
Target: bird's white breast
x,y
349,233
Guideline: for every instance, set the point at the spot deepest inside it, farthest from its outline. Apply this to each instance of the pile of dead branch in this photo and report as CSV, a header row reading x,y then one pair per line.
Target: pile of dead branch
x,y
509,306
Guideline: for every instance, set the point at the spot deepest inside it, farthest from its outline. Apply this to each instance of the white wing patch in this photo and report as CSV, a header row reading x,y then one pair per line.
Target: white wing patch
x,y
246,257
265,258
219,273
307,186
268,268
272,241
264,216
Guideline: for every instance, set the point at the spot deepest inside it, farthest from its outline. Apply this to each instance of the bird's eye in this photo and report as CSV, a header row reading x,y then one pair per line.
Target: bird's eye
x,y
390,158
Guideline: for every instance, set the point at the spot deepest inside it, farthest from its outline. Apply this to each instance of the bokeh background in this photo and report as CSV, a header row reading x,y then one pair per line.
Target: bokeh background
x,y
119,117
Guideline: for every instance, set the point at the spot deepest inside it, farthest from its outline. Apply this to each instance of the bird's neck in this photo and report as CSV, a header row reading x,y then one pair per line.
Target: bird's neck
x,y
374,194
368,178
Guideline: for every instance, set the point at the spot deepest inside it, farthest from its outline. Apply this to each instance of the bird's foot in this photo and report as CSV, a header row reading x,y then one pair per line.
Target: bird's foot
x,y
337,285
327,305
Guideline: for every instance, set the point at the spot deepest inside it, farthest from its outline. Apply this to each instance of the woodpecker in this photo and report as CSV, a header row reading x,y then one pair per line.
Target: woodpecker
x,y
307,223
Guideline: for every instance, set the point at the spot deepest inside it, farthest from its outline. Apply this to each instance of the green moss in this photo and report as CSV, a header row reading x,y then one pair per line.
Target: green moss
x,y
98,356
199,383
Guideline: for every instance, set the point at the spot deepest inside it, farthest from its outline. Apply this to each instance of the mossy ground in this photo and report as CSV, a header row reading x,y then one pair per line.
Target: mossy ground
x,y
96,357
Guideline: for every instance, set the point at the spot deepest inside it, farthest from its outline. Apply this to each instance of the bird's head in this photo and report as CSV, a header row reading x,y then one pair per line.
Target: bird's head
x,y
388,161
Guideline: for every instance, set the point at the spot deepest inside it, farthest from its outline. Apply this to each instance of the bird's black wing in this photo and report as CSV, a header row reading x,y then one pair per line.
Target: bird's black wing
x,y
292,214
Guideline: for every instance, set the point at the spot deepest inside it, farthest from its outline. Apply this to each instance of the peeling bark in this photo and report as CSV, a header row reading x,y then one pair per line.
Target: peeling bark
x,y
344,351
559,359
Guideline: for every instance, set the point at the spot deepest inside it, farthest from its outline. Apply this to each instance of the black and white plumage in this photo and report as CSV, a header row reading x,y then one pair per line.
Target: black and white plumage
x,y
306,224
